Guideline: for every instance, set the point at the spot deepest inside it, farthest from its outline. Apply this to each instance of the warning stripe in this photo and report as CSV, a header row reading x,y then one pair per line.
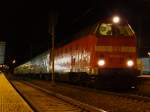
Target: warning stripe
x,y
115,49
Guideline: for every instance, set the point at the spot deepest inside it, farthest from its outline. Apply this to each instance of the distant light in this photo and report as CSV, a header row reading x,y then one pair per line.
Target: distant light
x,y
116,19
148,54
133,87
14,61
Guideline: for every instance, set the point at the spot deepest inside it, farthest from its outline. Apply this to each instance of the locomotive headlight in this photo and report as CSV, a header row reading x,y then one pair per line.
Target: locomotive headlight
x,y
130,63
116,19
101,62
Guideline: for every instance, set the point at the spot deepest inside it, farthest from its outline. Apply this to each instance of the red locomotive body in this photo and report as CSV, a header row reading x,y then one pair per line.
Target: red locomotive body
x,y
106,50
102,56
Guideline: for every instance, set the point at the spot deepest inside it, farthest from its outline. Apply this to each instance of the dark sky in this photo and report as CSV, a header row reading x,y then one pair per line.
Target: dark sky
x,y
24,24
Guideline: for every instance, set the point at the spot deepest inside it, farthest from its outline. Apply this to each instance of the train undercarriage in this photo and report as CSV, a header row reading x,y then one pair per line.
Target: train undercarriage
x,y
112,79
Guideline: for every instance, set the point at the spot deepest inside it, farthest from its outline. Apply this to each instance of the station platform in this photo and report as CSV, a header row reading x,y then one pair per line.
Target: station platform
x,y
10,100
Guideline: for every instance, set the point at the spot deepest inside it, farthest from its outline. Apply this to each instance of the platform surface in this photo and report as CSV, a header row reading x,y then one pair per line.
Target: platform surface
x,y
10,100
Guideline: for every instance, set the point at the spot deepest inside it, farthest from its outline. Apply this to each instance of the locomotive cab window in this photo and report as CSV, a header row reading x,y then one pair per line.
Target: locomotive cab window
x,y
107,29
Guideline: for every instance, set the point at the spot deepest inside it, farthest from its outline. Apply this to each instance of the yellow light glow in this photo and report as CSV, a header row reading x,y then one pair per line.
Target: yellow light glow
x,y
148,54
116,19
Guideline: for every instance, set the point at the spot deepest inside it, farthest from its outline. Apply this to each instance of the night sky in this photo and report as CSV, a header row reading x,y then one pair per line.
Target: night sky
x,y
24,25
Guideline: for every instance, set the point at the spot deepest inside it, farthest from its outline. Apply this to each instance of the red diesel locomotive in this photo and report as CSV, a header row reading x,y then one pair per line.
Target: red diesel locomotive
x,y
106,52
103,56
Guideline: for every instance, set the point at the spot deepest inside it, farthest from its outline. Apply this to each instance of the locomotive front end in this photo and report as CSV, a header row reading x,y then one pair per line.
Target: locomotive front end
x,y
115,53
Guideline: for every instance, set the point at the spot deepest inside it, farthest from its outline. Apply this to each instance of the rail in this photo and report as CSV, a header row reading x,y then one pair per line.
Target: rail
x,y
69,100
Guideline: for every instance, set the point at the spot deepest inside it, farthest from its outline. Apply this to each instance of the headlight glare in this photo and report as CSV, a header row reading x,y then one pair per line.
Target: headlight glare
x,y
130,63
101,62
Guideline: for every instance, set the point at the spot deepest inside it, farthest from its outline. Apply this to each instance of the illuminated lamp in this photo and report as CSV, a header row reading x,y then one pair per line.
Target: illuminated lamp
x,y
116,19
130,63
148,53
101,62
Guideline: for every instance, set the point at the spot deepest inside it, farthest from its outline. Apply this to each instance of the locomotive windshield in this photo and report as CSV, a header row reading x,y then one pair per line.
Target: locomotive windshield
x,y
115,29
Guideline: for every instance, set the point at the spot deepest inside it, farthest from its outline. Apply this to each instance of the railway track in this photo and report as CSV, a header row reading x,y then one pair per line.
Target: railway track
x,y
47,101
110,101
129,95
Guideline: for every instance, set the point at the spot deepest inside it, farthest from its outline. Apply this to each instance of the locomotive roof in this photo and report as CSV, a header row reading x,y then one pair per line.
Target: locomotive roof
x,y
90,29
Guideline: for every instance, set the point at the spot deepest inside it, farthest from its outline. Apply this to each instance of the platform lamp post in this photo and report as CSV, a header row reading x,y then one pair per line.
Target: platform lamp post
x,y
52,24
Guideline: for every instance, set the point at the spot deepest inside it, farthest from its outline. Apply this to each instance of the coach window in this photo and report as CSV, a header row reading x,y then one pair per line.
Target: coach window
x,y
105,29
